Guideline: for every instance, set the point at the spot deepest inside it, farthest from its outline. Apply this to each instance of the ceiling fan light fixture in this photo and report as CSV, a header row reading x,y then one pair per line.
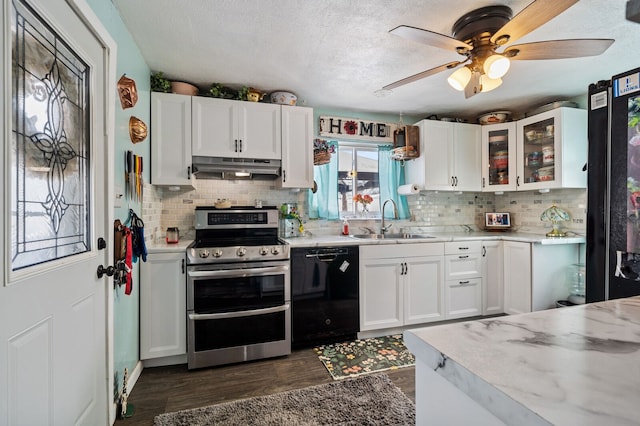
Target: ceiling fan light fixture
x,y
496,66
488,84
460,78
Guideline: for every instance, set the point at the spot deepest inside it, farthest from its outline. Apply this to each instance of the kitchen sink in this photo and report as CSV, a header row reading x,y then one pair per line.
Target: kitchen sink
x,y
401,236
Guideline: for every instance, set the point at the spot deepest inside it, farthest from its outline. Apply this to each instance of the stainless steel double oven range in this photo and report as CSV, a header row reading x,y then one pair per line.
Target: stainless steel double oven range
x,y
238,287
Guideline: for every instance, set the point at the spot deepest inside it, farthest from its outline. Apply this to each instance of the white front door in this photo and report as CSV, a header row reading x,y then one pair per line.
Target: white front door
x,y
55,159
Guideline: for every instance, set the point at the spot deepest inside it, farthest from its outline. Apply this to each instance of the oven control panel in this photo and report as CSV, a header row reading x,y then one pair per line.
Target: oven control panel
x,y
236,254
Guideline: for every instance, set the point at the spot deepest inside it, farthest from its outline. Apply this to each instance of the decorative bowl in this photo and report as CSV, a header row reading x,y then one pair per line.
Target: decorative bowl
x,y
494,117
283,98
182,88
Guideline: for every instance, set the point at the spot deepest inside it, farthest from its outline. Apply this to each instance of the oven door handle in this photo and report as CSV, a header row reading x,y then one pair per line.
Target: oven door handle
x,y
270,270
237,314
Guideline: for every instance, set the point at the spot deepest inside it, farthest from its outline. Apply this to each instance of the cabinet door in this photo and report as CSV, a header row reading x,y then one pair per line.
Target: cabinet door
x,y
215,127
499,157
438,155
163,325
259,130
467,157
517,277
423,290
171,139
463,298
297,147
492,273
552,149
381,294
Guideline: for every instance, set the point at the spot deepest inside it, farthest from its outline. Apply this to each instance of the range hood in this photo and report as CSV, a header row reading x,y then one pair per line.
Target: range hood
x,y
235,168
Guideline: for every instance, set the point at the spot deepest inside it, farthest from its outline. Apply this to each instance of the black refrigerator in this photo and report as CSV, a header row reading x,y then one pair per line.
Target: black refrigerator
x,y
613,188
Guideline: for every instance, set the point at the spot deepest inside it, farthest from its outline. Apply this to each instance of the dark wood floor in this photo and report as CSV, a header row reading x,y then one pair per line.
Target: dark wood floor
x,y
166,389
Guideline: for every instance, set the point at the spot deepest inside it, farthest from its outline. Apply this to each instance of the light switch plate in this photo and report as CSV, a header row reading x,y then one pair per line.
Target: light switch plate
x,y
119,194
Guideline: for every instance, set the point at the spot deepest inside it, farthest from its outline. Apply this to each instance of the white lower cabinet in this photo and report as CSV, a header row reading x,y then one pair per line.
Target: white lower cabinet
x,y
535,275
163,325
401,285
463,272
493,278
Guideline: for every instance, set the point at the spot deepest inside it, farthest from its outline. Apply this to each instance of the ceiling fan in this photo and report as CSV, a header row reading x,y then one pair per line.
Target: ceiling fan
x,y
479,34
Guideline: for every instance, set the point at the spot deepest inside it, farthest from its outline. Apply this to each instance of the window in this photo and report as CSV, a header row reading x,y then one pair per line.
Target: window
x,y
358,174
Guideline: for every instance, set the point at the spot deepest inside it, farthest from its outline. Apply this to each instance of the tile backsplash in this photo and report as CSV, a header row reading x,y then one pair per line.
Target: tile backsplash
x,y
163,208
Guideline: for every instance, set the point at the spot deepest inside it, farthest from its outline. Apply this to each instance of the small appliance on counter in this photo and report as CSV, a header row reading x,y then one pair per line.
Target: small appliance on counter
x,y
172,236
497,221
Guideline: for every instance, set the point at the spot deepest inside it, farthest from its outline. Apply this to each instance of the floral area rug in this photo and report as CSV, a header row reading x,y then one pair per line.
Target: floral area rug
x,y
357,357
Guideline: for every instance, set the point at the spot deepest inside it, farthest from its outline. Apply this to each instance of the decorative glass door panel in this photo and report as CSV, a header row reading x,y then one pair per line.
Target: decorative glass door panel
x,y
49,144
499,155
538,153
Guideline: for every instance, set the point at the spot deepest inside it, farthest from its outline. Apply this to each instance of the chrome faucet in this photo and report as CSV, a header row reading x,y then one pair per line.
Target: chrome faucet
x,y
384,228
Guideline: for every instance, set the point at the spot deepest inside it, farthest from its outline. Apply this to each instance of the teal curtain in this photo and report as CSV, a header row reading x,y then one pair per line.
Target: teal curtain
x,y
391,173
324,203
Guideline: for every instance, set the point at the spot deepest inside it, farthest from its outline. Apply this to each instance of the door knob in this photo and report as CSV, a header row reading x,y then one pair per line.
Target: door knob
x,y
108,271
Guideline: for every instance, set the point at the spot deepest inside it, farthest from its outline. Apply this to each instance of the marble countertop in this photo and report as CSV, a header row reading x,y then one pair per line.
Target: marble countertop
x,y
160,246
340,240
570,366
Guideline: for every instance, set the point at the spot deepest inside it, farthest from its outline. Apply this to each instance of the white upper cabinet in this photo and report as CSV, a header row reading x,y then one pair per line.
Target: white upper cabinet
x,y
226,128
552,150
171,139
449,157
297,147
499,170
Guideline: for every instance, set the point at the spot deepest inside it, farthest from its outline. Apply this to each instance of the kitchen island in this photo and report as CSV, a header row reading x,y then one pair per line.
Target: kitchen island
x,y
569,366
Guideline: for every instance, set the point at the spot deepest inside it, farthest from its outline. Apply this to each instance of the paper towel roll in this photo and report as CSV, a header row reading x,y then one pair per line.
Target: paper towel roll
x,y
408,189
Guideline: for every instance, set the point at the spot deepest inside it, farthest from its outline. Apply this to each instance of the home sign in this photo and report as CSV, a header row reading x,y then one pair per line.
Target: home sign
x,y
352,128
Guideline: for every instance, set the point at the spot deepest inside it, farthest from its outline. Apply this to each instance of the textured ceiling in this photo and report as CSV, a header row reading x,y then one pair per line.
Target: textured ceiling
x,y
337,53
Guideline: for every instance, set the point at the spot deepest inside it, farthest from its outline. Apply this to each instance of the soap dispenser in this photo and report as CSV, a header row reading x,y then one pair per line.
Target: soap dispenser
x,y
345,227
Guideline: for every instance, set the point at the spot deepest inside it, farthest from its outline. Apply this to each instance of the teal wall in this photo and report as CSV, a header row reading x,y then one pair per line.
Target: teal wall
x,y
130,62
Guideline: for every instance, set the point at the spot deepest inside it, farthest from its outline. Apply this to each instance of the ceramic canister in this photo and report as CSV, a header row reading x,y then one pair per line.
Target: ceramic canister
x,y
548,154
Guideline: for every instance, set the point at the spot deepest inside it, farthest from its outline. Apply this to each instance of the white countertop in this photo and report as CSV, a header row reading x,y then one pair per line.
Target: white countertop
x,y
160,246
570,366
338,240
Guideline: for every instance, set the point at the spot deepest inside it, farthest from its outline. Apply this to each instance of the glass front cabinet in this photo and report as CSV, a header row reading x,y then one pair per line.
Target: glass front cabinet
x,y
552,150
499,157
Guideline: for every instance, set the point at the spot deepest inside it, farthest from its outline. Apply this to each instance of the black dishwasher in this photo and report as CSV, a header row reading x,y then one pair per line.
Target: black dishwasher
x,y
324,295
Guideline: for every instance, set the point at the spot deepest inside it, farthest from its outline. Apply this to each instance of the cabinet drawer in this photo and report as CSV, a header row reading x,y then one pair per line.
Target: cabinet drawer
x,y
463,266
455,247
463,298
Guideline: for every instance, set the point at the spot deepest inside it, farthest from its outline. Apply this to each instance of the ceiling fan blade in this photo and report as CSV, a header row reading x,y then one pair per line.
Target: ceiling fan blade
x,y
421,75
559,49
530,18
429,37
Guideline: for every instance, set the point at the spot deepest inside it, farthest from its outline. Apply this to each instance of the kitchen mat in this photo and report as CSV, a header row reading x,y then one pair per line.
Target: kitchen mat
x,y
364,356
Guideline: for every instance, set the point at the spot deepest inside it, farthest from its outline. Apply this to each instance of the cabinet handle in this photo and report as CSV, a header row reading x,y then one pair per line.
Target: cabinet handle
x,y
463,257
188,172
483,182
406,268
182,266
456,177
463,248
517,180
484,251
452,181
463,282
284,175
236,141
240,145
